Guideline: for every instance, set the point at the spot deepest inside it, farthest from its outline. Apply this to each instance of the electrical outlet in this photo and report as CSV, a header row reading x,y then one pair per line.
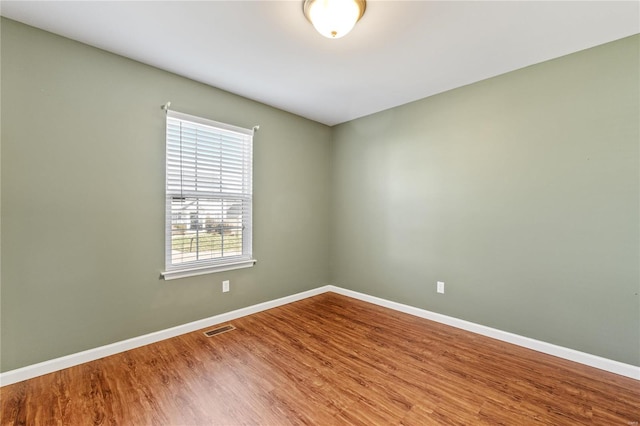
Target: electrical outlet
x,y
440,287
225,286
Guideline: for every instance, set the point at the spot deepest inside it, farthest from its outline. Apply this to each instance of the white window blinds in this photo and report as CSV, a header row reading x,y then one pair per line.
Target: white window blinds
x,y
209,196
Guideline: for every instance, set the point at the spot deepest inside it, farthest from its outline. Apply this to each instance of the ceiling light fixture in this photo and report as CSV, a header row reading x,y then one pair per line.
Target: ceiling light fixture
x,y
334,18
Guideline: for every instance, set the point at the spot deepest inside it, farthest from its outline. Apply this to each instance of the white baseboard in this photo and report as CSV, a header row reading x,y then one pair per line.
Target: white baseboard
x,y
609,365
56,364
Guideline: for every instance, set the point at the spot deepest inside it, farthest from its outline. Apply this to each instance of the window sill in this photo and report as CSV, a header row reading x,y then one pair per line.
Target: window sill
x,y
183,273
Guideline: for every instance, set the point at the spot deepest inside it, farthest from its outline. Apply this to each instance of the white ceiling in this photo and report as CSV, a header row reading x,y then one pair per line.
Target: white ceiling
x,y
399,52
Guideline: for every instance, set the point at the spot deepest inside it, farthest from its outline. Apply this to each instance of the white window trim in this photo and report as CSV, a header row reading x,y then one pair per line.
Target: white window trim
x,y
192,272
217,265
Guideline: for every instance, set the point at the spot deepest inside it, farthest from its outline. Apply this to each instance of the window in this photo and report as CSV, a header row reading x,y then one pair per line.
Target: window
x,y
209,196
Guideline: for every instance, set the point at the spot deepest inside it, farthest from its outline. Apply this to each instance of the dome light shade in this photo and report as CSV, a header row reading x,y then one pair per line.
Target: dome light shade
x,y
334,18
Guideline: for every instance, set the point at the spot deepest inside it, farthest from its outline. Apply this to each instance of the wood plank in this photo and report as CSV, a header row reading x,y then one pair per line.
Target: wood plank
x,y
326,360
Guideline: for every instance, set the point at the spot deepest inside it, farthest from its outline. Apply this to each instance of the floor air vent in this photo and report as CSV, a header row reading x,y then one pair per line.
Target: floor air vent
x,y
219,330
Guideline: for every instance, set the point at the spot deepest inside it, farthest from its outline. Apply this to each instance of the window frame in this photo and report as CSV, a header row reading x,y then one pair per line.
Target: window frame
x,y
220,264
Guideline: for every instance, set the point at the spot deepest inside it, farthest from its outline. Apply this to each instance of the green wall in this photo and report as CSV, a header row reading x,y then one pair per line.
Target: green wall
x,y
520,192
83,199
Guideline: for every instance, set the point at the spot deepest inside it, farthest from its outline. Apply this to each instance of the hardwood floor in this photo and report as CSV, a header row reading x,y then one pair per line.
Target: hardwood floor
x,y
326,360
